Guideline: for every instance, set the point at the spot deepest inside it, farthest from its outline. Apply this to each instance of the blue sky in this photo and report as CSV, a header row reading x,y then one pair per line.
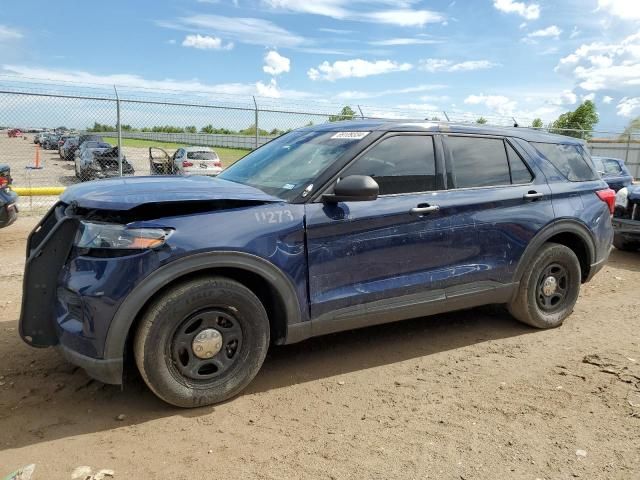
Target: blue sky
x,y
506,58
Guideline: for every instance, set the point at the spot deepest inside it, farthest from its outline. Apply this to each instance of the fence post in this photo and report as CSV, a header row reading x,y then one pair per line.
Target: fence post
x,y
255,104
119,129
626,155
446,116
361,114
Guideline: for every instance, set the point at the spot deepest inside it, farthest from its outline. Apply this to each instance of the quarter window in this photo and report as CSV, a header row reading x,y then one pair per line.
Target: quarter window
x,y
569,161
400,164
478,162
612,167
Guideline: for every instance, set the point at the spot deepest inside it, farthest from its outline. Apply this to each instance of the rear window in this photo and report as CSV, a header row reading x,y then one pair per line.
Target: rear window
x,y
569,160
612,167
201,156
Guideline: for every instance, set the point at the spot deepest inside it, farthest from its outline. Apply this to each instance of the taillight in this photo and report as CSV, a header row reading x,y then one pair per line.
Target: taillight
x,y
217,163
4,182
608,196
187,163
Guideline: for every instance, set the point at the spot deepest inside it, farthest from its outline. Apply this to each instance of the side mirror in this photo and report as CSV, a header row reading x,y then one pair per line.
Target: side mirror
x,y
354,188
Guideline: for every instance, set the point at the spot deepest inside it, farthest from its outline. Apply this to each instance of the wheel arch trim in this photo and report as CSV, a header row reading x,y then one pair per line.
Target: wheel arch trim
x,y
555,228
130,308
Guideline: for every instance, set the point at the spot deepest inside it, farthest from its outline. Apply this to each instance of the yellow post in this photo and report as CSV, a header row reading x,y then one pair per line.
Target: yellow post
x,y
37,191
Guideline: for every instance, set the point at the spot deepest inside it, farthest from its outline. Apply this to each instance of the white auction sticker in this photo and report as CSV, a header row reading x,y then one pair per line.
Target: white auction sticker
x,y
350,135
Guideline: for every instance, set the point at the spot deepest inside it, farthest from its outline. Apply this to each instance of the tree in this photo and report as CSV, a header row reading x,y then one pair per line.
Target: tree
x,y
191,129
582,118
347,113
633,127
537,123
481,120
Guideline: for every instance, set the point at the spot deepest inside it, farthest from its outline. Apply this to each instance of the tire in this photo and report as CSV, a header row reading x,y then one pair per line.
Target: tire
x,y
532,305
165,339
623,245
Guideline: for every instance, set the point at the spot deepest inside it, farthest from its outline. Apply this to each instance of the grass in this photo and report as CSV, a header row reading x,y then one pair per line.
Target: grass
x,y
227,155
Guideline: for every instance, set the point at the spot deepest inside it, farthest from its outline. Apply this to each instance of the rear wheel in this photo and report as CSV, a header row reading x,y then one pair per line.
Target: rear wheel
x,y
549,287
202,342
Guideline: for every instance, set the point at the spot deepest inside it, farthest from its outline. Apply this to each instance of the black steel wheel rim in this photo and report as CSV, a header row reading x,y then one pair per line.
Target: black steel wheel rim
x,y
553,299
184,360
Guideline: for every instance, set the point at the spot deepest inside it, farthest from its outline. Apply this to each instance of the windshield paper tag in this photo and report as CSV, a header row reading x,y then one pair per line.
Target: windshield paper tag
x,y
350,135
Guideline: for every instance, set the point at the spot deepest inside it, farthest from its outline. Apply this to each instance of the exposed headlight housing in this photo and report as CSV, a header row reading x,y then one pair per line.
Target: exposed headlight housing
x,y
120,237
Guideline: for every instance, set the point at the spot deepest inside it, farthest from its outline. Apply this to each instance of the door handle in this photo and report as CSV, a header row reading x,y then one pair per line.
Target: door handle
x,y
423,210
532,195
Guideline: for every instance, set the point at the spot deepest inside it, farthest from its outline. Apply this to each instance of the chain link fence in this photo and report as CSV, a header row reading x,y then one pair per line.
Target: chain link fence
x,y
177,133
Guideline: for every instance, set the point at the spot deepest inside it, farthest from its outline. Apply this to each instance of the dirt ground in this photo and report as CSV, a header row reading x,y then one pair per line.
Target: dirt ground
x,y
468,395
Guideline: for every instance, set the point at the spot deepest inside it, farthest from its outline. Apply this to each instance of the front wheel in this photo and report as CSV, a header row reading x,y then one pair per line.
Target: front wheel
x,y
202,341
549,288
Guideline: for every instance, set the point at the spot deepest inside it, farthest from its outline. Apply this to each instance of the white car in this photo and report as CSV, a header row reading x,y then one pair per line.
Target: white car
x,y
185,161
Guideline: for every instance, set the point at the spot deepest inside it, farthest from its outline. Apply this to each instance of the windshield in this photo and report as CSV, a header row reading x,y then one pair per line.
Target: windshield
x,y
285,166
202,155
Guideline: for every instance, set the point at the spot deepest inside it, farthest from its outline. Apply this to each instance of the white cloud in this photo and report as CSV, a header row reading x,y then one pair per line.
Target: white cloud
x,y
8,33
589,96
422,107
607,99
275,64
356,68
625,9
393,42
443,65
360,95
628,107
137,82
551,31
205,42
567,97
254,31
575,32
598,66
402,14
496,103
530,11
268,90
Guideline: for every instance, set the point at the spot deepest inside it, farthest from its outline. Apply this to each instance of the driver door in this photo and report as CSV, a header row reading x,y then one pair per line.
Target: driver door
x,y
159,162
395,248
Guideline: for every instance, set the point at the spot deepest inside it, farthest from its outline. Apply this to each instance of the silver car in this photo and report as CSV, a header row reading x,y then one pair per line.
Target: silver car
x,y
185,161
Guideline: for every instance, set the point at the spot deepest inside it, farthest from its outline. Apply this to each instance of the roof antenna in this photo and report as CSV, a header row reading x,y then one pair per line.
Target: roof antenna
x,y
515,122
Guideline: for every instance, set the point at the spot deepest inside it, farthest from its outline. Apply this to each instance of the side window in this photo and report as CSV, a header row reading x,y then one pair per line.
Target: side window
x,y
478,162
400,164
612,167
569,161
520,173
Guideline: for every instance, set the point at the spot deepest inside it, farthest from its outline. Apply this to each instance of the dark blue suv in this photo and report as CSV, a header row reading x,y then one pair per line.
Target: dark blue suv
x,y
327,228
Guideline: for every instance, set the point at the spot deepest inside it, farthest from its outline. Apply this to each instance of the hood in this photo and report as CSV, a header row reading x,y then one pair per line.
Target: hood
x,y
130,192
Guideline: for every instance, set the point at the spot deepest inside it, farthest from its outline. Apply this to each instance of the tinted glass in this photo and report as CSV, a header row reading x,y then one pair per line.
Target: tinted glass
x,y
612,167
201,155
284,167
519,171
478,162
401,164
568,159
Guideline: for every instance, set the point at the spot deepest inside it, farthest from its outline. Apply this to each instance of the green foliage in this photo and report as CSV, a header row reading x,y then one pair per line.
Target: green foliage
x,y
347,113
632,128
481,120
191,129
537,123
584,118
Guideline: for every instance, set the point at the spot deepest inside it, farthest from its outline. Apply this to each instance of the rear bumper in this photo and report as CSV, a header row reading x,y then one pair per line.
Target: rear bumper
x,y
628,229
8,214
104,370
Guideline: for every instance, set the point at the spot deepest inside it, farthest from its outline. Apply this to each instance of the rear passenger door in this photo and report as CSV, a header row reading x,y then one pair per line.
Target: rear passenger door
x,y
497,201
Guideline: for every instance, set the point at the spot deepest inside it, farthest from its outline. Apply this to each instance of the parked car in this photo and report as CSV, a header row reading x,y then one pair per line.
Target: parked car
x,y
14,132
185,161
61,140
68,148
99,160
326,228
39,138
8,198
613,171
50,142
626,219
89,137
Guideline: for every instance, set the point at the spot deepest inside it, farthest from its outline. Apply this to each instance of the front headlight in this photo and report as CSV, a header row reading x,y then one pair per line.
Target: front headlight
x,y
114,236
